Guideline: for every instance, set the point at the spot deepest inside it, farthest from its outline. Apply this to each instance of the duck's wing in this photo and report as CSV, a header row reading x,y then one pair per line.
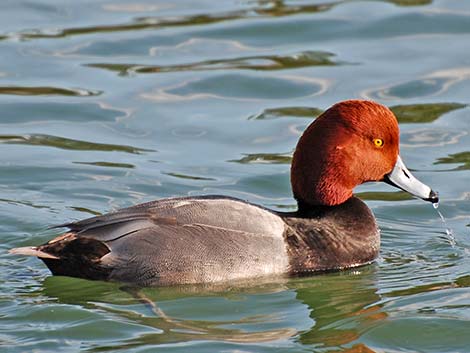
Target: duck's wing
x,y
193,253
216,211
184,240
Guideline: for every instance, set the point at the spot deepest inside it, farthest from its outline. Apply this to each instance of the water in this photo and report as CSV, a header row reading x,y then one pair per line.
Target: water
x,y
105,104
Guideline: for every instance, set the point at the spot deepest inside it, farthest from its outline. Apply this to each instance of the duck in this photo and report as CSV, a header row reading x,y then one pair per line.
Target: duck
x,y
211,239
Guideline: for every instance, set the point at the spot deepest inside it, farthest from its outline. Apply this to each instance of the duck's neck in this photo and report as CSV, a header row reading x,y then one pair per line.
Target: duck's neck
x,y
328,238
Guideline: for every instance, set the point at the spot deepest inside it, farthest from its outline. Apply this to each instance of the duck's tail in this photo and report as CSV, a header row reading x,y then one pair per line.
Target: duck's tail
x,y
32,251
67,255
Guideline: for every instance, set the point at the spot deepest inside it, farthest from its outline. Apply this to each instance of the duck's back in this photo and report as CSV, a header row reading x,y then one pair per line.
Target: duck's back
x,y
173,241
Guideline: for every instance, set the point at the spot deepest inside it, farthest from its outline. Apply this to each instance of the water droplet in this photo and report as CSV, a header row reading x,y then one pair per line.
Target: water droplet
x,y
450,234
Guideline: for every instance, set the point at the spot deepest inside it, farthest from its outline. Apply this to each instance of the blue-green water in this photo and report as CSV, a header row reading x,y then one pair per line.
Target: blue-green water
x,y
105,104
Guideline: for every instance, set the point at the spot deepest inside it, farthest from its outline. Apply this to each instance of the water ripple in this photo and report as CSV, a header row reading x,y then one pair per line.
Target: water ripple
x,y
462,158
429,85
245,87
277,9
46,91
108,164
186,176
34,112
281,112
260,62
430,137
265,158
423,113
67,144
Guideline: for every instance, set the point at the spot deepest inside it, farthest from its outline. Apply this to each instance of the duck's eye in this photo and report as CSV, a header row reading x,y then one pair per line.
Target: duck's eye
x,y
378,142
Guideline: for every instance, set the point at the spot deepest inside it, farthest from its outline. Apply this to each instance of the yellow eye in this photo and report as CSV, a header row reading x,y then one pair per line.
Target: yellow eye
x,y
378,142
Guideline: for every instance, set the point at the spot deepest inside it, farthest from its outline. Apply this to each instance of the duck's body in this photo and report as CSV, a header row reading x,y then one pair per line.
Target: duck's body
x,y
191,240
215,238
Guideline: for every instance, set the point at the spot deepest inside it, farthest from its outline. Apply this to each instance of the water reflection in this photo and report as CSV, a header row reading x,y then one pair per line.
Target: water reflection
x,y
343,306
23,203
330,310
430,137
283,8
186,176
85,210
432,84
410,2
277,8
262,8
423,113
108,164
265,158
462,158
29,112
301,112
246,87
67,144
258,62
46,91
226,311
384,196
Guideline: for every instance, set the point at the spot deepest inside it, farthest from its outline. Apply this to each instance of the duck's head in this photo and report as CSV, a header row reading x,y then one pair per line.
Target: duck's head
x,y
351,143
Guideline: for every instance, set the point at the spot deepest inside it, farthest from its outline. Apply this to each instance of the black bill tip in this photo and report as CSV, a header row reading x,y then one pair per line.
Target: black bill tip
x,y
433,197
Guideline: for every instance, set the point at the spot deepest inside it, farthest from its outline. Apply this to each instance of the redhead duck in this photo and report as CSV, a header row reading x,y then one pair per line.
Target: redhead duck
x,y
208,239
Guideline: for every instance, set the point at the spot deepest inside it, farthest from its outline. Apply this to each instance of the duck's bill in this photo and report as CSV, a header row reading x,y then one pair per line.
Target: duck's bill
x,y
401,177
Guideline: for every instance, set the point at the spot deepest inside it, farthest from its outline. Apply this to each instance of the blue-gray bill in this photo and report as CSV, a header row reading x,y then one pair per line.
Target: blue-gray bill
x,y
402,178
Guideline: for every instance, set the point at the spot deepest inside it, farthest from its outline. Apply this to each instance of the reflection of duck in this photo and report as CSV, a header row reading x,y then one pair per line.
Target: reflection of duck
x,y
216,238
325,312
209,312
344,306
